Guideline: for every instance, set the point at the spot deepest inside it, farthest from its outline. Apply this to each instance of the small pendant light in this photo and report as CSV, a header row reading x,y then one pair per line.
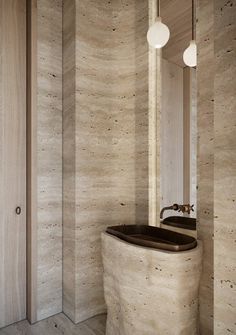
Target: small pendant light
x,y
190,54
158,34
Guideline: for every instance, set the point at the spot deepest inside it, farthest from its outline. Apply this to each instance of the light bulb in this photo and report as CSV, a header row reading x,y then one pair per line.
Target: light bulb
x,y
158,34
190,54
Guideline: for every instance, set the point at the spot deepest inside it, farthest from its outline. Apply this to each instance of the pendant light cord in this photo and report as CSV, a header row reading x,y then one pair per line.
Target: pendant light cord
x,y
193,21
158,8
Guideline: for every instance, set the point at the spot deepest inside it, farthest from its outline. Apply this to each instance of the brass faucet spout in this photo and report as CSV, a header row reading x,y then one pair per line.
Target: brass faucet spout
x,y
180,208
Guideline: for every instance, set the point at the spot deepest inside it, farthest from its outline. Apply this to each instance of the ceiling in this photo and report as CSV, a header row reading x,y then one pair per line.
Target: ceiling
x,y
176,14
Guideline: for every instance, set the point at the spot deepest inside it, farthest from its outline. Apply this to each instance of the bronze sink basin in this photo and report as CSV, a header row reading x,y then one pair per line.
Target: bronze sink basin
x,y
180,222
153,237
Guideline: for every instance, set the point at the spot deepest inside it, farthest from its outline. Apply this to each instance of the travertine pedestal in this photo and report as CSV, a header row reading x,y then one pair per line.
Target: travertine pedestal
x,y
148,291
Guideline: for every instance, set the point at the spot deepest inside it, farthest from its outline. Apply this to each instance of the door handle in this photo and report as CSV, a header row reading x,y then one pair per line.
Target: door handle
x,y
18,210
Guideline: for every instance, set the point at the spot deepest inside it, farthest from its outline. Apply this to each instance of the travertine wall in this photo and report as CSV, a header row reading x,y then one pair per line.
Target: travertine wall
x,y
193,141
105,138
205,158
49,158
69,160
217,164
154,123
225,168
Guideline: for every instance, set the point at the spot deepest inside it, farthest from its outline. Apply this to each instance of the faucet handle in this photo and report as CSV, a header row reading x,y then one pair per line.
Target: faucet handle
x,y
175,207
188,208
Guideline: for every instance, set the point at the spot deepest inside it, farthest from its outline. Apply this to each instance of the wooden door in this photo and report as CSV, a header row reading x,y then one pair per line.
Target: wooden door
x,y
12,161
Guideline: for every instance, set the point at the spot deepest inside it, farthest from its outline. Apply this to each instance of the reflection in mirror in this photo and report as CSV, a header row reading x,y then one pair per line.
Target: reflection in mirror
x,y
178,112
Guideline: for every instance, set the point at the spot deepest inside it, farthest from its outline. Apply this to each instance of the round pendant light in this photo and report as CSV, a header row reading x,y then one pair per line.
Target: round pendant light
x,y
158,34
190,54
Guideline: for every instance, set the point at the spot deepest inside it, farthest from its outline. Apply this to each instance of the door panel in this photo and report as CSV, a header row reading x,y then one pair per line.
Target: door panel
x,y
12,161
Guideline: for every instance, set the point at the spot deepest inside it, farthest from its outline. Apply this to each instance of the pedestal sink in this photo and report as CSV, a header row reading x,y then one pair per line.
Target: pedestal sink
x,y
151,280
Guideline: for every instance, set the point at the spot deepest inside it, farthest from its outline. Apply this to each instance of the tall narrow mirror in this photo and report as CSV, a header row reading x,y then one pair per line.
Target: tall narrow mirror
x,y
178,112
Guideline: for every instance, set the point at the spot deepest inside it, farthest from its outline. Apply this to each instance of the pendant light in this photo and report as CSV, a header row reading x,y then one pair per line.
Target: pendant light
x,y
190,54
158,34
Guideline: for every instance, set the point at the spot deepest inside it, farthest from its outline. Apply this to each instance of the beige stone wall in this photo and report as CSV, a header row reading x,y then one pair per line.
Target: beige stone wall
x,y
49,158
225,168
154,123
216,75
205,158
193,142
69,159
105,138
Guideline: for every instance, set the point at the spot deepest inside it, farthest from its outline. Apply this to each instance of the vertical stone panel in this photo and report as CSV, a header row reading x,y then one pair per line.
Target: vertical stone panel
x,y
154,115
225,168
49,157
205,158
217,164
105,138
69,91
193,141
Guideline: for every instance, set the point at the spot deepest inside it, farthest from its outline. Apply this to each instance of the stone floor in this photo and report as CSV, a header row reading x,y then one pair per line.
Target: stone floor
x,y
58,325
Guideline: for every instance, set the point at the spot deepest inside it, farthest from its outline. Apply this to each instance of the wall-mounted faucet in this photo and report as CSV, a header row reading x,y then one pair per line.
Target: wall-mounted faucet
x,y
180,208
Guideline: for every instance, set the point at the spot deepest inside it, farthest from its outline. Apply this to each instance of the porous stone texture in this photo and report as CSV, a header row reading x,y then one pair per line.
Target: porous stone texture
x,y
216,75
58,325
49,158
154,124
225,168
205,159
193,142
149,291
105,140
